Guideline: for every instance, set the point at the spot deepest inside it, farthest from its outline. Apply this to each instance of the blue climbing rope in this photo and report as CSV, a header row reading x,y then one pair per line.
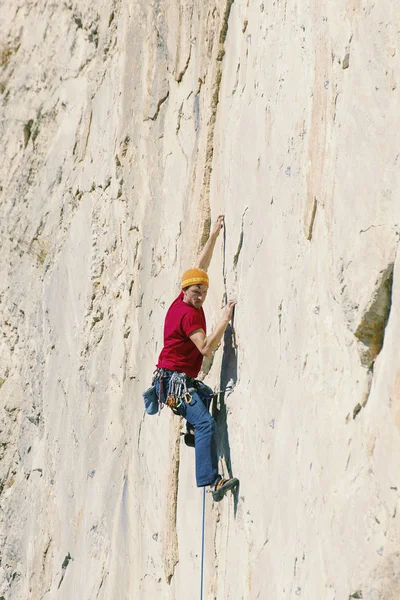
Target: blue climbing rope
x,y
202,545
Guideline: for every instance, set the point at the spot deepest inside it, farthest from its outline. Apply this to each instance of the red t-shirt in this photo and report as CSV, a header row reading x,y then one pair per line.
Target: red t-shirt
x,y
179,352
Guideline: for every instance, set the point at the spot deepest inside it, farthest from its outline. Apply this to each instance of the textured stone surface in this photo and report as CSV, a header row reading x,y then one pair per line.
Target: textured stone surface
x,y
125,126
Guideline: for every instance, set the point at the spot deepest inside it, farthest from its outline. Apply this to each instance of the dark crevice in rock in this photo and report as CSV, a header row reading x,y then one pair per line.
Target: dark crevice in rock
x,y
228,380
171,552
159,104
205,233
240,244
178,125
64,568
346,61
239,248
371,330
27,132
185,68
224,28
214,105
312,219
366,393
78,21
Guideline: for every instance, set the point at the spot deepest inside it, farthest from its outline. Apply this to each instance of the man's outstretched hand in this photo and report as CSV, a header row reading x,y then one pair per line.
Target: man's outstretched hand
x,y
204,258
218,225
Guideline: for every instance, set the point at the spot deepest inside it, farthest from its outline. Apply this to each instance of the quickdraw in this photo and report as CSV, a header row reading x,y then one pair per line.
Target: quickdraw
x,y
172,401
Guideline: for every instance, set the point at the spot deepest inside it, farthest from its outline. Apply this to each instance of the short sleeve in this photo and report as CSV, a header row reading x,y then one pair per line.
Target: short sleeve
x,y
192,321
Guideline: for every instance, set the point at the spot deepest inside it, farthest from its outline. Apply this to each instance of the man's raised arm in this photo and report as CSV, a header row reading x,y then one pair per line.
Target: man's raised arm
x,y
204,258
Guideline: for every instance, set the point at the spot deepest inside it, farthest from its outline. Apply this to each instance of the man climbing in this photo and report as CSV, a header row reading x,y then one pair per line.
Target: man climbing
x,y
185,343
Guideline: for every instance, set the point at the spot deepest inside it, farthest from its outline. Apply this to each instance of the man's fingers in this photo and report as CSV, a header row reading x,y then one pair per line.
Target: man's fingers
x,y
220,221
230,305
218,225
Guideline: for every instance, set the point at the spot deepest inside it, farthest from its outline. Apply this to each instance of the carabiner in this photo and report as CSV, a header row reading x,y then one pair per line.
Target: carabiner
x,y
187,397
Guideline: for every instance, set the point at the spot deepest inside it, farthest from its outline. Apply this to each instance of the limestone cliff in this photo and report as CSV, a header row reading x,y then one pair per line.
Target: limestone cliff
x,y
126,127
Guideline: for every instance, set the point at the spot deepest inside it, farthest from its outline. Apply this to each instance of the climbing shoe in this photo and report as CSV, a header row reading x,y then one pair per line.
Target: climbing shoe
x,y
189,439
222,486
189,436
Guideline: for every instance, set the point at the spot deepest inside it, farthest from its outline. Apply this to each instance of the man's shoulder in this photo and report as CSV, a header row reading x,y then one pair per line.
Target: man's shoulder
x,y
178,307
178,302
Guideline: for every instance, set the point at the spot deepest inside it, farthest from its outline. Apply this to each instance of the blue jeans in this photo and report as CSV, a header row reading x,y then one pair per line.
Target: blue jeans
x,y
196,413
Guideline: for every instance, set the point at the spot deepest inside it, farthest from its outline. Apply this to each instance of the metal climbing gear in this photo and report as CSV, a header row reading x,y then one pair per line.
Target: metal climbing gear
x,y
181,388
178,390
172,401
187,397
158,375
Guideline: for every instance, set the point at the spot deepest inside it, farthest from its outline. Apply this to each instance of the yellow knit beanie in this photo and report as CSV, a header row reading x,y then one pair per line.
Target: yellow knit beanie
x,y
193,277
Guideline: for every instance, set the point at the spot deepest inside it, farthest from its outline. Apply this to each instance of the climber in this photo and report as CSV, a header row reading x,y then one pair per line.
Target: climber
x,y
185,344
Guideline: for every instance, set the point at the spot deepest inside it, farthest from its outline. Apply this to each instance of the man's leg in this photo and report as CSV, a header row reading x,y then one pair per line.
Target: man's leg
x,y
206,451
206,395
220,485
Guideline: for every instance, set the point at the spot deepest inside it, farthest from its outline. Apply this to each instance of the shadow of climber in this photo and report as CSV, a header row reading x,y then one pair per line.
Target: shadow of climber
x,y
228,380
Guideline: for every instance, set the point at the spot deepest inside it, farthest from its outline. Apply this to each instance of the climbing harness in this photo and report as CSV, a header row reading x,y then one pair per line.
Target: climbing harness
x,y
178,390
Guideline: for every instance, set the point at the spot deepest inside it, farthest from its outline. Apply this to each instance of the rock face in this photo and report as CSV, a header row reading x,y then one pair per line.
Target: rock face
x,y
126,127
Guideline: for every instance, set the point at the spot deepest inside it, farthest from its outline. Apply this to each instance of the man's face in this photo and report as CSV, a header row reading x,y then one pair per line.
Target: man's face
x,y
195,295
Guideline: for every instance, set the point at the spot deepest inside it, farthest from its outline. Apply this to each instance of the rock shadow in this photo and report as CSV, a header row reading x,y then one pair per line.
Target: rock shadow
x,y
228,381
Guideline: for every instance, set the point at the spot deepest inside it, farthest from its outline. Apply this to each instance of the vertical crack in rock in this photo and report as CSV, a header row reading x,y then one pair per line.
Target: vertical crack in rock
x,y
371,330
104,575
171,551
185,68
178,235
64,568
235,87
205,195
366,393
178,124
206,231
312,219
239,248
159,104
346,59
179,73
87,124
27,132
215,563
240,244
140,432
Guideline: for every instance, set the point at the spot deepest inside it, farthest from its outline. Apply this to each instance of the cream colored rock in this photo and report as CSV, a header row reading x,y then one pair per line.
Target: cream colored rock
x,y
125,127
